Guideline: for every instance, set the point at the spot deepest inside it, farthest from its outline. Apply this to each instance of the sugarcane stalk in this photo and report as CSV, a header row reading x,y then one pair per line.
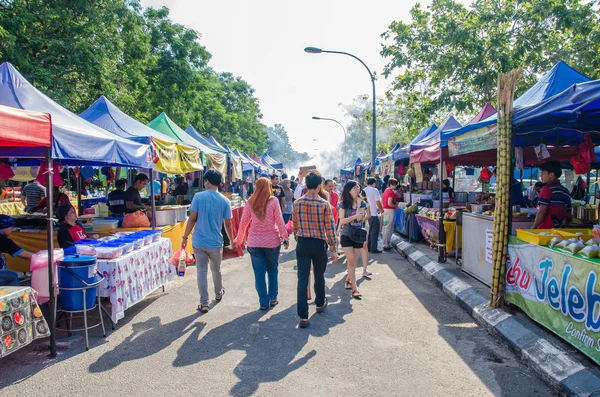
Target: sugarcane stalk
x,y
506,89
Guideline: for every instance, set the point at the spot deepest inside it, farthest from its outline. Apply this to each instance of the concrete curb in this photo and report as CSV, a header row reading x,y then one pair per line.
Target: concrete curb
x,y
561,369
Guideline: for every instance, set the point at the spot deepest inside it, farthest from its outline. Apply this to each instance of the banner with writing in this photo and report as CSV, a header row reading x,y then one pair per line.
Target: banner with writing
x,y
559,291
474,141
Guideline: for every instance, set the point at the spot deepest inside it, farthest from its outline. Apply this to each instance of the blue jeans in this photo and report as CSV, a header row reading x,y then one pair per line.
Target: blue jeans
x,y
265,260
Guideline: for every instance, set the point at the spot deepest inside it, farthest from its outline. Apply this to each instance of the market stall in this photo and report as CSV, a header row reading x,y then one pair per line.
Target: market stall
x,y
558,289
129,278
14,208
21,319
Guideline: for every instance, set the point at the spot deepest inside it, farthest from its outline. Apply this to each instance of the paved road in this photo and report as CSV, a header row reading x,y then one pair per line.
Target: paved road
x,y
405,338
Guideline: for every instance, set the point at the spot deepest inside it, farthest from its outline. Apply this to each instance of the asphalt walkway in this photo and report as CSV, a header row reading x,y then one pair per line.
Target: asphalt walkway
x,y
404,338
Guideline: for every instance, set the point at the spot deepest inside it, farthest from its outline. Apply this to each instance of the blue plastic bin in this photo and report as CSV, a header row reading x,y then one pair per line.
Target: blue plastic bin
x,y
72,270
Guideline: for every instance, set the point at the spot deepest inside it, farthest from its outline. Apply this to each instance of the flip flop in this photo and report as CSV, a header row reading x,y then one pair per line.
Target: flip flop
x,y
203,309
348,284
356,294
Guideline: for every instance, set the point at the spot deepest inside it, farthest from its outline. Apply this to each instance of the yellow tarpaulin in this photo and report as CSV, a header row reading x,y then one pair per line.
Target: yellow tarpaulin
x,y
174,158
218,162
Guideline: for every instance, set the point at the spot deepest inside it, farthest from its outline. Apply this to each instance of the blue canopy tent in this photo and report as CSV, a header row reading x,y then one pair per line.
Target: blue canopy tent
x,y
196,135
560,78
173,157
268,160
351,168
420,136
247,163
212,140
75,141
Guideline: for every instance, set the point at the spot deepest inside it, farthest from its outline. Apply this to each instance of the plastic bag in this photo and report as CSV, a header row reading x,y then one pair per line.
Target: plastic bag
x,y
189,259
136,219
289,227
485,174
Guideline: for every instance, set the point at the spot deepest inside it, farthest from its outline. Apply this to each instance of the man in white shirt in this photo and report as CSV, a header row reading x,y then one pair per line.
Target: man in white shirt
x,y
532,194
374,199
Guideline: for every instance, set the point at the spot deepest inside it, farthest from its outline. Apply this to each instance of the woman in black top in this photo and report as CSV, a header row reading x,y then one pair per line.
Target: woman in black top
x,y
447,189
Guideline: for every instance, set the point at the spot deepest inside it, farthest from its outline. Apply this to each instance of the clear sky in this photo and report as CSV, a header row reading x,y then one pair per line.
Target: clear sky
x,y
263,42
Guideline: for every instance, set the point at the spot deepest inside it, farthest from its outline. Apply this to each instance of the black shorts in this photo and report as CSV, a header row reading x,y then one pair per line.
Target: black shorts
x,y
348,243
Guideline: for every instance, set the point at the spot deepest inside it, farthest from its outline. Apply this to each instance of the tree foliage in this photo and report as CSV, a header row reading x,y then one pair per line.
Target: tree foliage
x,y
76,50
281,149
447,58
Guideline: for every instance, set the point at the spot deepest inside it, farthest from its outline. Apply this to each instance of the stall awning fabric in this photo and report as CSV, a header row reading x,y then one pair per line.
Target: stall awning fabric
x,y
530,105
212,140
420,136
271,162
74,140
351,168
163,124
262,163
486,112
196,135
170,156
246,164
428,149
24,128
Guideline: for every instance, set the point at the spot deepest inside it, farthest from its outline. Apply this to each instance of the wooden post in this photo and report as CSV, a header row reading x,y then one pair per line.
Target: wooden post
x,y
506,91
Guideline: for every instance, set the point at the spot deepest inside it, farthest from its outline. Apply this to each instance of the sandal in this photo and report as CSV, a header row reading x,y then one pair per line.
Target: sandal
x,y
203,309
356,294
348,284
367,273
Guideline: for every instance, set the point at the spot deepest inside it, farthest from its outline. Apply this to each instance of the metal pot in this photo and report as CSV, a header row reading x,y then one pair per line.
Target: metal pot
x,y
181,212
479,208
516,208
166,217
574,212
461,197
587,214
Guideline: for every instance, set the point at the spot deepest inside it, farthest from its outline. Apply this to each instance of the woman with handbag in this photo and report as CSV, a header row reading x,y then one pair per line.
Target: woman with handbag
x,y
352,212
263,221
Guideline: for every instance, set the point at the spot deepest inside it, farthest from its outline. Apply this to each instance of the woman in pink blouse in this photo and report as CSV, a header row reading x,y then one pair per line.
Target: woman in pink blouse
x,y
263,221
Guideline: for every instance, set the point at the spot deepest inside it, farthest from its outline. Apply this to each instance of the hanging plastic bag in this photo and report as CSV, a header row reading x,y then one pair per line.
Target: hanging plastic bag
x,y
136,219
485,174
289,227
177,256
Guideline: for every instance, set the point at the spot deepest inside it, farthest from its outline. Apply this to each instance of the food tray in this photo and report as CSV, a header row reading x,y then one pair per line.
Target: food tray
x,y
105,225
533,235
109,251
586,233
136,241
127,246
85,250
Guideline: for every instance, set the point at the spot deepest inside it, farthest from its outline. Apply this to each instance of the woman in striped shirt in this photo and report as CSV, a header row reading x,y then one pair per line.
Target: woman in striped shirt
x,y
263,222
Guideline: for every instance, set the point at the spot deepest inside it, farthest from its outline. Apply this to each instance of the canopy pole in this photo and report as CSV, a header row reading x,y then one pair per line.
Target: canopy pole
x,y
410,225
152,200
79,204
441,232
520,176
454,176
50,236
68,180
587,188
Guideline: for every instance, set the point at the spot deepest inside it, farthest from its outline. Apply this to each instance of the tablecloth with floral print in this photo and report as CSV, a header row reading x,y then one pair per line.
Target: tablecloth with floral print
x,y
21,319
131,277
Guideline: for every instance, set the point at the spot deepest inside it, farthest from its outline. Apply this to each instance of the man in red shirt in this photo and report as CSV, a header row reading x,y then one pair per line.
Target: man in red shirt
x,y
390,205
554,206
334,198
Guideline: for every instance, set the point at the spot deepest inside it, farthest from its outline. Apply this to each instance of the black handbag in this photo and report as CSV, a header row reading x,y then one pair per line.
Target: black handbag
x,y
358,234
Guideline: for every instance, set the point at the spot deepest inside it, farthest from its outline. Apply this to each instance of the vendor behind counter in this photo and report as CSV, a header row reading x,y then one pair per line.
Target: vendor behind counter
x,y
555,202
70,230
116,199
7,246
133,199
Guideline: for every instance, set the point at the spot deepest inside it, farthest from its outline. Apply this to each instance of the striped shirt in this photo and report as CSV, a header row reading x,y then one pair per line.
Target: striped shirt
x,y
558,200
34,193
313,218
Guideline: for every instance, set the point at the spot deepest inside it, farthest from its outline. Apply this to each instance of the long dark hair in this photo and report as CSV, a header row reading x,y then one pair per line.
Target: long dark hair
x,y
347,199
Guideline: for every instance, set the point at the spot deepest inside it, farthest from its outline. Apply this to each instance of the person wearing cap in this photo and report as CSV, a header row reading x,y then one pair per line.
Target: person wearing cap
x,y
7,246
70,230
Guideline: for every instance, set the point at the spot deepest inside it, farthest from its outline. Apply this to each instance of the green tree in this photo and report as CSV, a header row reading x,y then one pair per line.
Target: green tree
x,y
76,50
447,58
280,148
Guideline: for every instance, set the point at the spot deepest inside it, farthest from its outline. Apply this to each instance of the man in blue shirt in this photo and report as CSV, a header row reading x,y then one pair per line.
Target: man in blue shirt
x,y
209,210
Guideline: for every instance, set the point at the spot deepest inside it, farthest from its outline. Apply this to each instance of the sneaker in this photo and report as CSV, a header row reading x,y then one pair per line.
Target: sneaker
x,y
220,296
303,323
321,309
376,252
387,248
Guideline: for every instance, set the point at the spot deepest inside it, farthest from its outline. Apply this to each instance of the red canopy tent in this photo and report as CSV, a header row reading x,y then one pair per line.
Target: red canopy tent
x,y
23,128
28,130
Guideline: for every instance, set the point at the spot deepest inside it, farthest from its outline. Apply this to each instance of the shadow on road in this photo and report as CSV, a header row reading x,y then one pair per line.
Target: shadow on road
x,y
147,338
273,345
496,366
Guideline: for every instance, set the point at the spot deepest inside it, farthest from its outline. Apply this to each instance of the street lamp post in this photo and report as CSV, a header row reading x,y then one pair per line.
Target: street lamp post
x,y
343,129
315,50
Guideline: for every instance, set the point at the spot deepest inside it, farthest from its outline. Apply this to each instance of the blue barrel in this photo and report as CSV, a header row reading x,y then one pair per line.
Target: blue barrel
x,y
70,270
